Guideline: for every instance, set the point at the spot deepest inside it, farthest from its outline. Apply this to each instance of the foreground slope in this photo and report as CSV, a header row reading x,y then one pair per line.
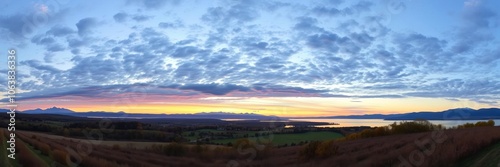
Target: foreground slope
x,y
437,148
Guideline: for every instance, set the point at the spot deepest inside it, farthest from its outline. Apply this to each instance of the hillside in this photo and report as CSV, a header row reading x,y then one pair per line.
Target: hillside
x,y
438,148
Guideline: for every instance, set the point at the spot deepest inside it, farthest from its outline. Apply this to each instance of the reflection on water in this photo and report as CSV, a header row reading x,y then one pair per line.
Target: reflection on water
x,y
381,122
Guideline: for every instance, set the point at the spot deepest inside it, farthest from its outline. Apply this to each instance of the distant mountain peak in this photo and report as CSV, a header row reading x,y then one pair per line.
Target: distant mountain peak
x,y
464,108
53,110
122,114
450,114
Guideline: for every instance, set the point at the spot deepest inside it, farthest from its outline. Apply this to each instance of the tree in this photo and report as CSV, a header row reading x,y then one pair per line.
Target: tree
x,y
491,122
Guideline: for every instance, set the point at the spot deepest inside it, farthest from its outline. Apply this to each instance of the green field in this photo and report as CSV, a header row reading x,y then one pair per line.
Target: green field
x,y
488,157
196,132
281,139
237,134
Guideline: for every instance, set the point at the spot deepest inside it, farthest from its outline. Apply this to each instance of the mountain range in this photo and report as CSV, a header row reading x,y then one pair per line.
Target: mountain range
x,y
121,114
451,114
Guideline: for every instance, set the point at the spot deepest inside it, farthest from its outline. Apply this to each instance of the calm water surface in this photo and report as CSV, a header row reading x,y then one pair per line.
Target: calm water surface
x,y
381,122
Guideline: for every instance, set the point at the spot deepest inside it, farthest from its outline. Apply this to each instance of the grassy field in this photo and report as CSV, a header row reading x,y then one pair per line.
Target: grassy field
x,y
121,144
237,134
281,139
488,157
38,155
449,148
197,132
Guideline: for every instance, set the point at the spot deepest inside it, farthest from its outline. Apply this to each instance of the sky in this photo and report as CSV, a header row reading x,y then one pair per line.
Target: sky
x,y
285,58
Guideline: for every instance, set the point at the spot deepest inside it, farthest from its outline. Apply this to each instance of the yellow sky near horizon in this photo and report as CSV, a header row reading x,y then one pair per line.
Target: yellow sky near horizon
x,y
279,106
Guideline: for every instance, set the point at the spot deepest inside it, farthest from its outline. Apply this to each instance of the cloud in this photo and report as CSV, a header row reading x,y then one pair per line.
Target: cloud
x,y
270,63
215,89
20,26
55,48
387,86
39,66
185,51
49,43
478,23
307,24
174,90
344,50
239,13
356,9
418,50
123,17
141,18
149,33
12,26
75,42
327,41
176,24
459,88
39,39
258,47
188,71
60,31
92,69
360,7
321,10
85,26
263,87
120,17
89,91
489,57
154,4
489,102
48,57
75,51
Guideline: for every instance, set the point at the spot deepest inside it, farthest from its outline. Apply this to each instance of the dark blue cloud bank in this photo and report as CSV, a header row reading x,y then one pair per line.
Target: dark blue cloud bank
x,y
260,48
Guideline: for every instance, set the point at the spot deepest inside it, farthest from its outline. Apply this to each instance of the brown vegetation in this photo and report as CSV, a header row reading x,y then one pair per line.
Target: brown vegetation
x,y
109,156
437,148
26,157
405,127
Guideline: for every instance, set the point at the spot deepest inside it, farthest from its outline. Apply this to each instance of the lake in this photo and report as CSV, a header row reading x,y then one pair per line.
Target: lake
x,y
381,122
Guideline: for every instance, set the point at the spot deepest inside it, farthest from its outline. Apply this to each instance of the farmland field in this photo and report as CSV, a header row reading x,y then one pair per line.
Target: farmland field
x,y
121,144
237,134
281,139
368,147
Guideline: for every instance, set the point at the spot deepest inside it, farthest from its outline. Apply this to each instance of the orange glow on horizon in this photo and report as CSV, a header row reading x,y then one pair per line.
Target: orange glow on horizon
x,y
279,106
